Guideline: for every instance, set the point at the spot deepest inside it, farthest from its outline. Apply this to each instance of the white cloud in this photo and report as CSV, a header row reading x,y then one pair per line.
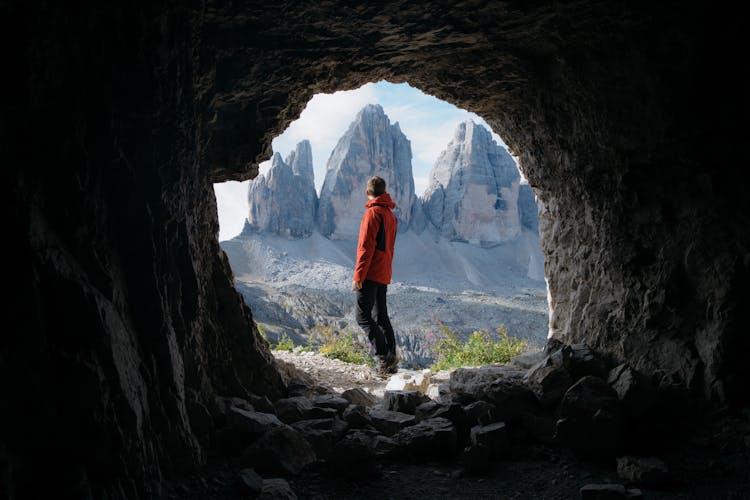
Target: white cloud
x,y
231,202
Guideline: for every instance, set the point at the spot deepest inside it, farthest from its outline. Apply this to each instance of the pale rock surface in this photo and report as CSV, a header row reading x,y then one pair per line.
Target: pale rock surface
x,y
371,146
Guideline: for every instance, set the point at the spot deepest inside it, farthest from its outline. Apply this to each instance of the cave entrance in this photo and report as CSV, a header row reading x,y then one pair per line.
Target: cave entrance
x,y
467,258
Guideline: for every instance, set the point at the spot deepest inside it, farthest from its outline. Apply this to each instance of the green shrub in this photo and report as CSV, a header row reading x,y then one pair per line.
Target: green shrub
x,y
284,343
342,345
481,348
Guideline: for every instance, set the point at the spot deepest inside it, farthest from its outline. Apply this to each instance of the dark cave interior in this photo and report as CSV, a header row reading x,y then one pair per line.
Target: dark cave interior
x,y
117,120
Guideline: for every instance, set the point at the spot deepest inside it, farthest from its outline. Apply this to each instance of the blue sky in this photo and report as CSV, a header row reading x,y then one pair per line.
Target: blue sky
x,y
426,121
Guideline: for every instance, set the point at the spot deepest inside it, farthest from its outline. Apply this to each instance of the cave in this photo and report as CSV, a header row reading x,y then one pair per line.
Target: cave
x,y
124,322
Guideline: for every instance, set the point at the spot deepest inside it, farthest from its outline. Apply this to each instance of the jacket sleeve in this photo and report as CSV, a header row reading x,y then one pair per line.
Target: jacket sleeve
x,y
368,229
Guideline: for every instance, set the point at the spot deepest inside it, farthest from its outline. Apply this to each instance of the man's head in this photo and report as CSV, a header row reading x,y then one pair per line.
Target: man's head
x,y
375,186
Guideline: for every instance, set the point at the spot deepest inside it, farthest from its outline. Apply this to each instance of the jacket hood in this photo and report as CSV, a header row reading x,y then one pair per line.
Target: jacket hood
x,y
383,200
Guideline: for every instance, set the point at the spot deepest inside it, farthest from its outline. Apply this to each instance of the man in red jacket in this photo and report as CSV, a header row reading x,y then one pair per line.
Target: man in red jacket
x,y
372,273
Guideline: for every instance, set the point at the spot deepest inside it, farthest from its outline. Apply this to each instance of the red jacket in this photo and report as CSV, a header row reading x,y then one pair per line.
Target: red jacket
x,y
377,238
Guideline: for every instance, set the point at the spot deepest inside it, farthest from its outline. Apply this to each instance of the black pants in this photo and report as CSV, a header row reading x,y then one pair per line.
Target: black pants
x,y
379,330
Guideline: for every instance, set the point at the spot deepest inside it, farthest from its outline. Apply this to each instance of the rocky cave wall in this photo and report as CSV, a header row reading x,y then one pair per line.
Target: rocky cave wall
x,y
124,319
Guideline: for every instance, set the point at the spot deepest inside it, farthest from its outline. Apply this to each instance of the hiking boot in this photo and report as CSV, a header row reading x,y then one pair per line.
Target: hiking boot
x,y
391,362
383,368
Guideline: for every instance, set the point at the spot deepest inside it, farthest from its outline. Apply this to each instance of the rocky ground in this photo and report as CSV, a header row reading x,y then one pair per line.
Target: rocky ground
x,y
479,436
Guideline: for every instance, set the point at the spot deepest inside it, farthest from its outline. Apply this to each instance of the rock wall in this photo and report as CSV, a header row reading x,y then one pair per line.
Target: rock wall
x,y
122,318
371,146
284,201
473,191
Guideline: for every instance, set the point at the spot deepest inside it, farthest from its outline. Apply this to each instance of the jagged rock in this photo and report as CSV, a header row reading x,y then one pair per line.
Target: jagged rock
x,y
338,403
221,407
406,380
386,447
284,201
292,409
251,422
451,411
282,450
371,146
635,391
527,208
527,359
580,361
480,412
434,438
390,422
250,483
590,420
322,434
502,385
277,489
473,191
403,401
549,381
320,412
645,471
608,492
357,417
353,457
359,396
261,403
493,436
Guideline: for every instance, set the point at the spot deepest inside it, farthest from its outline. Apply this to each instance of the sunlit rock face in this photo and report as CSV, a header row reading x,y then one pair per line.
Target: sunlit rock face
x,y
473,192
283,201
371,146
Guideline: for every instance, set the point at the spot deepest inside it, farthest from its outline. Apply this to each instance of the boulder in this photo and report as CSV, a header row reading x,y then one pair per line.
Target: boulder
x,y
390,422
320,412
527,359
452,411
251,422
250,483
590,420
493,436
408,380
581,361
386,447
353,457
359,396
277,489
608,492
292,409
480,412
334,401
357,417
403,401
549,381
635,391
501,385
434,438
645,471
282,450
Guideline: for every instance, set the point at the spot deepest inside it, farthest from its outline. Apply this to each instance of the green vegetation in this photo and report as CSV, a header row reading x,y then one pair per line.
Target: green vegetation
x,y
284,343
342,345
481,348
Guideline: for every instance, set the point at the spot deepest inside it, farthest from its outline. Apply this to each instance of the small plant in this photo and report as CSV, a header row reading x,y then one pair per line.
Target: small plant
x,y
262,331
284,344
342,345
481,348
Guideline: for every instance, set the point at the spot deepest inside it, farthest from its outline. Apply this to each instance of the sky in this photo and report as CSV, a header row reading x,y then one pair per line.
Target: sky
x,y
426,121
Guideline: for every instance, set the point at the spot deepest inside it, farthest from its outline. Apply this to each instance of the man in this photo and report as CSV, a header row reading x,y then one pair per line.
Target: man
x,y
372,273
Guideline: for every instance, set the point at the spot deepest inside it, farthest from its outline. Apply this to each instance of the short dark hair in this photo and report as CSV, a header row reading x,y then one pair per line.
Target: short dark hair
x,y
376,186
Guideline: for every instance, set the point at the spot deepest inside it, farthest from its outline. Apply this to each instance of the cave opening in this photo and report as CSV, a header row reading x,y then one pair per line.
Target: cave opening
x,y
127,340
467,258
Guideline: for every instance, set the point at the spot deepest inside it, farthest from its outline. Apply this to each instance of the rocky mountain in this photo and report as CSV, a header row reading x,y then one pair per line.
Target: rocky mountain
x,y
473,192
284,201
371,146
